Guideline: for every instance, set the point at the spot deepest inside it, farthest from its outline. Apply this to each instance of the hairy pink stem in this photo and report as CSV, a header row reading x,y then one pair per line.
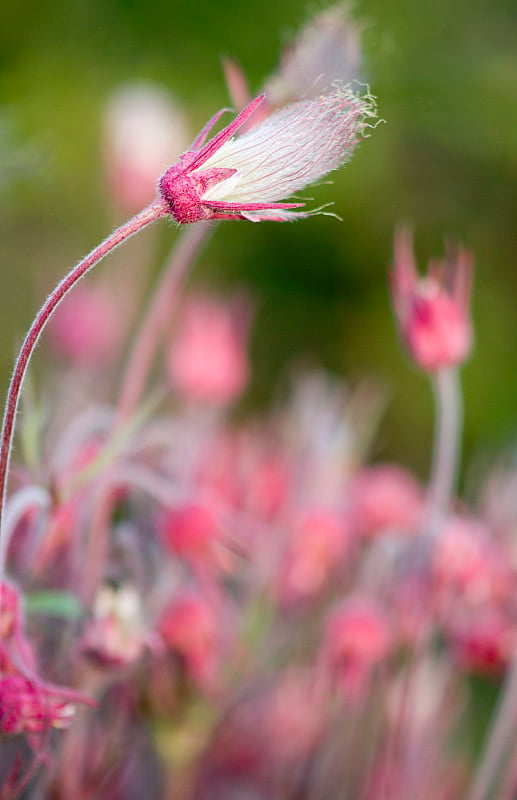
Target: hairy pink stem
x,y
148,215
157,315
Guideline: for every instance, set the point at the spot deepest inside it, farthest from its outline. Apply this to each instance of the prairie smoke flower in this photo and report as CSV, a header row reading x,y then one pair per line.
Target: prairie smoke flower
x,y
433,311
243,178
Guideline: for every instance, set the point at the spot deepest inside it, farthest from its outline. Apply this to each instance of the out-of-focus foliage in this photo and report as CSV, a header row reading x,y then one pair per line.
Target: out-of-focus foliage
x,y
446,160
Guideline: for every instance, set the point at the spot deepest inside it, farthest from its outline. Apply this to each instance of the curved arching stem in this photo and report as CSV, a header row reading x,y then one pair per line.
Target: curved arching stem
x,y
153,212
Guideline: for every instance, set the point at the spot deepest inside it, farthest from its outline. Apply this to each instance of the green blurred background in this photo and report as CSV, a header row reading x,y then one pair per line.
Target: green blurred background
x,y
445,74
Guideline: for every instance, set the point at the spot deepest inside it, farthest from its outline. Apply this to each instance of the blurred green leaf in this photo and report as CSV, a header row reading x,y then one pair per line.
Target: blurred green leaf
x,y
54,604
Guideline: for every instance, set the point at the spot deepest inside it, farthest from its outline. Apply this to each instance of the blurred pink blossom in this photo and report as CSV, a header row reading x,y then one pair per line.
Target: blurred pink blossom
x,y
433,311
318,542
191,628
207,359
191,532
482,641
384,499
469,564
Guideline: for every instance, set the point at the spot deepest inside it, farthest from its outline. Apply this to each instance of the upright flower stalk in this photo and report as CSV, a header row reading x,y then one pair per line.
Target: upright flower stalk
x,y
153,212
446,446
432,313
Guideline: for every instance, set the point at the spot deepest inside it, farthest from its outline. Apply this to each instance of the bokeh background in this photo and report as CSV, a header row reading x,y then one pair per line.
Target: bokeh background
x,y
445,75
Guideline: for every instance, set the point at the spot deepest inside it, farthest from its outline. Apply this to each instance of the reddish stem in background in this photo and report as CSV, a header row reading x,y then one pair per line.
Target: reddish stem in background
x,y
153,212
139,363
446,448
157,315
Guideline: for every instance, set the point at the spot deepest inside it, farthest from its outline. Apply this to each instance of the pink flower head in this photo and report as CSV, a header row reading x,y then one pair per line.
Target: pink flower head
x,y
484,641
191,532
243,178
358,636
207,360
190,627
385,498
319,541
469,563
432,311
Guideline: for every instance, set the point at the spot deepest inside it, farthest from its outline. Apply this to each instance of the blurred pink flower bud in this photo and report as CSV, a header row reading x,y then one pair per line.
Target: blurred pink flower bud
x,y
268,482
433,311
207,359
384,499
469,563
327,50
483,641
319,540
144,131
357,638
189,626
247,471
191,532
86,329
116,635
245,177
